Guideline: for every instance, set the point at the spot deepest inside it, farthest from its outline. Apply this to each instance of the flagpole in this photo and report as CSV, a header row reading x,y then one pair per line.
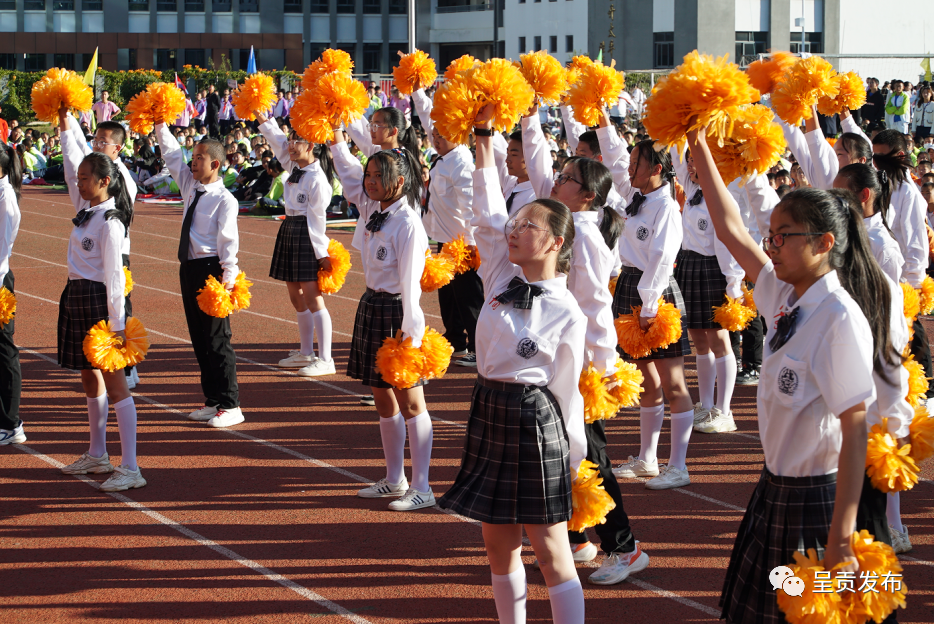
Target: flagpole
x,y
411,26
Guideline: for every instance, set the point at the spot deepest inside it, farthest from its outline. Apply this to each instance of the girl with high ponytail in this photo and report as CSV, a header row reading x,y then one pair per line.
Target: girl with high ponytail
x,y
388,128
11,179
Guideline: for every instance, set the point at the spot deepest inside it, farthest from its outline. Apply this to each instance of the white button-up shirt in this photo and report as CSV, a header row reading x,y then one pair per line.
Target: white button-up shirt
x,y
592,263
9,224
909,226
885,248
824,369
451,196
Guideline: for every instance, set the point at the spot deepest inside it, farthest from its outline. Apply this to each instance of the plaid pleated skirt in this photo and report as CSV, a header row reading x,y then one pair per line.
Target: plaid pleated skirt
x,y
516,467
627,296
83,304
293,259
702,285
379,316
785,514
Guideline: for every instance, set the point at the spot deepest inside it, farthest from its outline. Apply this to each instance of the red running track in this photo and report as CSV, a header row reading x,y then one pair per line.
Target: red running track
x,y
260,523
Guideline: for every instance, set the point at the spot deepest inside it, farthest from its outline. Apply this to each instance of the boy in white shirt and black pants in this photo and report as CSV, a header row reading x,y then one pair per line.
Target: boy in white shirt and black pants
x,y
208,246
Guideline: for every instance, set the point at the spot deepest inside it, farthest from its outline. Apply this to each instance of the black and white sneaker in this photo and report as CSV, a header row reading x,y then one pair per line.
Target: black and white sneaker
x,y
12,436
469,360
749,377
412,500
367,399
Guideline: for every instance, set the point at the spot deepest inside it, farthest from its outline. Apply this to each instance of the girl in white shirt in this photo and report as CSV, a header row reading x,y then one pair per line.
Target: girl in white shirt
x,y
388,128
525,436
302,243
11,180
392,244
922,118
827,304
95,292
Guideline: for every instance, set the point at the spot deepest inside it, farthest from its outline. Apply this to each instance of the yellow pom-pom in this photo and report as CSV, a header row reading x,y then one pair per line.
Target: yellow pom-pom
x,y
805,82
414,69
921,434
455,108
128,284
240,295
917,382
702,88
575,66
309,118
851,95
399,363
344,99
458,65
733,315
137,342
458,252
612,284
754,144
912,302
439,271
926,299
597,86
891,469
629,335
748,298
546,75
599,404
214,299
329,282
765,74
7,305
474,260
167,101
876,560
139,113
589,499
331,61
103,348
665,329
500,83
257,93
60,87
628,381
810,607
437,351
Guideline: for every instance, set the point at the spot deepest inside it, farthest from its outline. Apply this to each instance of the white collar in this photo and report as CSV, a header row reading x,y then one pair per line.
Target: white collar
x,y
585,216
657,192
210,188
107,204
399,204
5,182
874,221
557,285
818,291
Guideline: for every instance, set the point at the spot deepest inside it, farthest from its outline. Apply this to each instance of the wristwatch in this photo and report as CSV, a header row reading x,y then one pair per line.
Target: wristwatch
x,y
484,132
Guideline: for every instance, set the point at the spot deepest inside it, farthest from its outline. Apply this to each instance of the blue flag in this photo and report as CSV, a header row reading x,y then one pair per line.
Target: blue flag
x,y
251,64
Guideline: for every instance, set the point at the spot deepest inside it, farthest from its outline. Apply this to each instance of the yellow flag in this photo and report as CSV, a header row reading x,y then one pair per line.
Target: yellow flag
x,y
926,66
92,70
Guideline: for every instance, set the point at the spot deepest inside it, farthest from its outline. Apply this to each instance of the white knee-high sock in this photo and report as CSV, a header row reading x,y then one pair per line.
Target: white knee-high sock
x,y
567,602
893,512
98,409
509,593
421,436
726,381
650,426
392,431
681,426
126,421
322,319
706,378
306,332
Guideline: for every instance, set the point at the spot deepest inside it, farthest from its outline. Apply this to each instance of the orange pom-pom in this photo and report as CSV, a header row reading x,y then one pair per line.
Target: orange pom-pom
x,y
167,101
921,434
748,299
137,342
890,469
139,113
765,74
546,75
599,404
437,351
500,83
574,68
7,305
917,382
912,302
589,498
343,98
102,348
331,61
811,607
60,87
702,88
733,315
597,86
309,118
805,82
329,282
926,296
851,95
665,329
258,93
128,283
876,560
753,146
240,295
474,261
414,69
629,335
214,299
459,253
458,65
612,284
455,108
626,383
439,271
399,363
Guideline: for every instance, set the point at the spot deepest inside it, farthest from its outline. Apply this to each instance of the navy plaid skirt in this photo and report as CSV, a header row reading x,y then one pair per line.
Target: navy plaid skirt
x,y
83,304
293,259
627,296
702,285
516,467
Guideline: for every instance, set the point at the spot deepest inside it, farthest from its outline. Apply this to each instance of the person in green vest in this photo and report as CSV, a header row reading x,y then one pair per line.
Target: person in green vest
x,y
896,108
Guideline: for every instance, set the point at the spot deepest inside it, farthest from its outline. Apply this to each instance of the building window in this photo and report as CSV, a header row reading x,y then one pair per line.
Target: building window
x,y
194,57
65,61
371,57
35,62
34,5
553,44
316,50
521,45
134,59
7,5
165,59
63,5
92,5
398,7
372,7
749,45
249,6
394,49
7,61
195,6
538,43
346,6
521,1
221,6
293,6
664,49
569,43
320,6
813,42
139,5
166,5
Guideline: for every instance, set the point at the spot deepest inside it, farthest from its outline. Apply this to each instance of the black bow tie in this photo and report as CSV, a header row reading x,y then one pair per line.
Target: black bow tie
x,y
296,176
83,216
377,219
633,208
520,293
784,330
698,198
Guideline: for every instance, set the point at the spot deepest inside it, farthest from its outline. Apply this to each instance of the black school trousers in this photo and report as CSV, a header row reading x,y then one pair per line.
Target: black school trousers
x,y
11,376
461,302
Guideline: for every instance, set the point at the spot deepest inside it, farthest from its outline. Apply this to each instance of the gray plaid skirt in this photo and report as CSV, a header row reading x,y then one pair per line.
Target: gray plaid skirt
x,y
293,259
83,304
627,296
784,515
379,316
702,285
516,467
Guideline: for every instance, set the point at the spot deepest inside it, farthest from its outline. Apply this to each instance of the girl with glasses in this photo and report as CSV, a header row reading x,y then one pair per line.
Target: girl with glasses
x,y
388,128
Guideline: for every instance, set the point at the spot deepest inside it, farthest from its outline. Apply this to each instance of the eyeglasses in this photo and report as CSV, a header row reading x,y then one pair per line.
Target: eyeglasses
x,y
778,240
373,127
297,142
102,144
562,179
520,226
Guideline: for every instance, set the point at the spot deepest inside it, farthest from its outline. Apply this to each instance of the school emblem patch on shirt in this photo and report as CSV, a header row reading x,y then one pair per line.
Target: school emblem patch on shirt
x,y
527,348
302,198
642,233
87,244
381,253
702,224
787,381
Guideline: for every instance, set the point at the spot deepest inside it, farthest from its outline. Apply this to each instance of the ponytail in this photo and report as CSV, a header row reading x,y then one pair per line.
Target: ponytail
x,y
596,178
860,176
856,146
656,154
323,156
396,119
12,168
895,163
392,164
101,167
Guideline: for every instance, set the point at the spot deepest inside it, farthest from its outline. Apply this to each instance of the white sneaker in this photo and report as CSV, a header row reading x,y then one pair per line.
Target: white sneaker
x,y
367,399
581,553
636,467
617,567
412,500
716,422
87,464
384,489
900,542
134,376
123,479
669,478
130,382
205,413
12,436
318,368
297,360
227,418
458,354
700,412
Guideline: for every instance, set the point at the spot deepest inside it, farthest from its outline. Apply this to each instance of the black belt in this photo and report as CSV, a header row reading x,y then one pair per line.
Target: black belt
x,y
504,386
376,293
817,481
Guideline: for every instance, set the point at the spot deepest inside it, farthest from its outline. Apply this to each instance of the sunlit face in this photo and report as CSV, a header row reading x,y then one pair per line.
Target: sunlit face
x,y
515,160
843,156
568,188
898,87
536,243
796,259
91,187
374,185
641,171
923,167
583,150
692,172
299,148
381,132
201,164
928,196
104,143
